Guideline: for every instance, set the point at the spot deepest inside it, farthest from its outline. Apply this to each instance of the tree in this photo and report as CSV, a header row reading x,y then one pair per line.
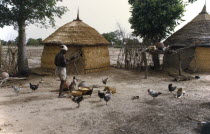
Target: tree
x,y
32,42
153,20
4,43
113,37
39,40
191,1
21,13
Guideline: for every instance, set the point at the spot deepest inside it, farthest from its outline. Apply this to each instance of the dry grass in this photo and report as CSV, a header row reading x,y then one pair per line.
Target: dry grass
x,y
76,33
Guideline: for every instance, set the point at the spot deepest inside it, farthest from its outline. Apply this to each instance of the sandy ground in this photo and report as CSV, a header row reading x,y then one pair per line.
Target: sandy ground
x,y
41,112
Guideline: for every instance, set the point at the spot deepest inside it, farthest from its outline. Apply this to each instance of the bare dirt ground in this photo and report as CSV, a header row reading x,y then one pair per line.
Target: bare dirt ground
x,y
41,112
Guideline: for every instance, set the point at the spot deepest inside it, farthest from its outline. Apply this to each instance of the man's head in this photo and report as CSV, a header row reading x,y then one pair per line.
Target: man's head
x,y
63,49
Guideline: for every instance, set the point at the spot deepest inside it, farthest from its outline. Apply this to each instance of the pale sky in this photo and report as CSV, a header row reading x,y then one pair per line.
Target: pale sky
x,y
103,15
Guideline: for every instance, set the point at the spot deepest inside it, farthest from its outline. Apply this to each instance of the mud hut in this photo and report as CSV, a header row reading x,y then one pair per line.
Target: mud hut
x,y
196,37
87,46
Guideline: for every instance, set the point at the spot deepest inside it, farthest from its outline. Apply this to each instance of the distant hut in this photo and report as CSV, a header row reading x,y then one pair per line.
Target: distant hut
x,y
196,37
85,44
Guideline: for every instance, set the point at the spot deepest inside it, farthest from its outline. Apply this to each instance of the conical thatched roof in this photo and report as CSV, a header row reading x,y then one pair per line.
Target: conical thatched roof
x,y
76,33
196,32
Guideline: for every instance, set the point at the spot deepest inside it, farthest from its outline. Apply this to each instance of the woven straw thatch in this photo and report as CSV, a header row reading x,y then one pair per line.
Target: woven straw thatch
x,y
196,32
76,33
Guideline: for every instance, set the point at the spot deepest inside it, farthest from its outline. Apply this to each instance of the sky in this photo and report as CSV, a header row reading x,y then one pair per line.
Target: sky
x,y
103,15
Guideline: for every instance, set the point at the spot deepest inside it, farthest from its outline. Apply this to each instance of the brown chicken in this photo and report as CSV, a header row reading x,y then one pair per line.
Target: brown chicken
x,y
180,93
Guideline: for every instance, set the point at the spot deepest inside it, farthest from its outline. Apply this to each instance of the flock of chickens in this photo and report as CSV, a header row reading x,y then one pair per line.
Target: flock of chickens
x,y
77,94
32,87
106,95
85,89
171,88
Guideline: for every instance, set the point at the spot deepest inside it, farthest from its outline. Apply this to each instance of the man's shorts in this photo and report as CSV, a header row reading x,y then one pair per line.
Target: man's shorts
x,y
60,72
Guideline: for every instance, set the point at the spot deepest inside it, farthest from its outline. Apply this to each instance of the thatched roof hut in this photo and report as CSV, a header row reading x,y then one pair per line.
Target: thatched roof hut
x,y
196,34
87,45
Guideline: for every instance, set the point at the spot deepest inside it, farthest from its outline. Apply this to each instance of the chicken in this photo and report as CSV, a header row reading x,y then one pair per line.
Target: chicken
x,y
101,95
34,87
16,89
104,81
197,77
72,86
89,92
110,89
41,81
180,93
135,98
153,93
77,99
107,97
171,88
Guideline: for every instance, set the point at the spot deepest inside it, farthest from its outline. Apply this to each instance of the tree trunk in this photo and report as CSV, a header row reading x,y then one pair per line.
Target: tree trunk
x,y
156,61
22,52
0,54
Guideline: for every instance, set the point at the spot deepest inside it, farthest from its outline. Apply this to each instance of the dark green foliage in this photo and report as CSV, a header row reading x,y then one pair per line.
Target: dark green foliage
x,y
34,42
155,19
191,1
3,42
132,41
21,13
113,38
132,1
31,11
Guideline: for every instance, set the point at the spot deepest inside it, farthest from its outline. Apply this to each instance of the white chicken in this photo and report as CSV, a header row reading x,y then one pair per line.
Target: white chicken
x,y
16,89
107,97
153,93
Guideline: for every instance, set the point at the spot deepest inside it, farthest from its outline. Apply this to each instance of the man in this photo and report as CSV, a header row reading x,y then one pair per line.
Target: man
x,y
60,71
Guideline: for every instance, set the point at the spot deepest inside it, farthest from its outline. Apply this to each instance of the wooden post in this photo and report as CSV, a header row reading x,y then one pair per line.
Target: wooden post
x,y
180,64
145,64
0,53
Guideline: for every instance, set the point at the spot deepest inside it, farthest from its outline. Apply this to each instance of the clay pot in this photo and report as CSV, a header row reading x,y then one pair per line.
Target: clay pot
x,y
4,75
66,85
83,84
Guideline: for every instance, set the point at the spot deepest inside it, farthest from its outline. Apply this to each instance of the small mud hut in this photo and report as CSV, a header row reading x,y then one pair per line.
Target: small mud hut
x,y
195,37
87,46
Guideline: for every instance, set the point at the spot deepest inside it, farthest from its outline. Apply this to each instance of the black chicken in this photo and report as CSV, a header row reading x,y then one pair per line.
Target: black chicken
x,y
100,95
77,99
89,92
104,81
197,77
171,88
34,87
